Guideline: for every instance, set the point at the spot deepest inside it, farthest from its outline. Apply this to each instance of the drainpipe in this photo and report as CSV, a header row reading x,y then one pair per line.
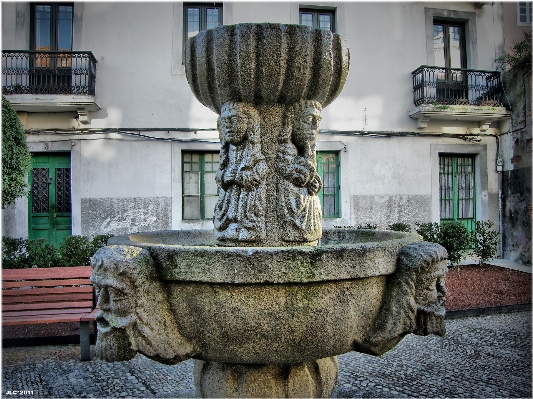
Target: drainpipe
x,y
499,169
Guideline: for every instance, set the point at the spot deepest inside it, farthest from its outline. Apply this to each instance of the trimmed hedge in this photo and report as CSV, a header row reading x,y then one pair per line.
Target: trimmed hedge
x,y
18,253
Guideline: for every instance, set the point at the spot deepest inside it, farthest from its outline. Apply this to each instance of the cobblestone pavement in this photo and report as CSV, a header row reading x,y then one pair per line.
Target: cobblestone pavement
x,y
480,357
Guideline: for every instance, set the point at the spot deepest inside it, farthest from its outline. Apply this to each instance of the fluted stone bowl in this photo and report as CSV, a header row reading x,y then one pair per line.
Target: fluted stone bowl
x,y
266,64
273,304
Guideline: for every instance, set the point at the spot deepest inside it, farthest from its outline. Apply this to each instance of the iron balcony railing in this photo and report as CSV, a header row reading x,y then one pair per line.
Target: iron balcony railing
x,y
48,72
454,86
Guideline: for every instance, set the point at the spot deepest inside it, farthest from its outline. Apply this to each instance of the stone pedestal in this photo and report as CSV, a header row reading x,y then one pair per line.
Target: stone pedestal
x,y
303,380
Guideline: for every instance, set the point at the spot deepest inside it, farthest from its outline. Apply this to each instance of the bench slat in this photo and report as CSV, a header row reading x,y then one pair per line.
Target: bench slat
x,y
44,305
46,273
65,318
47,291
49,298
36,312
91,316
45,283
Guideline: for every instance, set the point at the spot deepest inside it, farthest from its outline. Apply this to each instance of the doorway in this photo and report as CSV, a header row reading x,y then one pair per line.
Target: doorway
x,y
50,211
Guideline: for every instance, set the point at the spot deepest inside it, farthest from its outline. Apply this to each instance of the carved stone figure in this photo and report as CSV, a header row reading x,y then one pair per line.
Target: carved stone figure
x,y
134,312
414,300
299,210
240,210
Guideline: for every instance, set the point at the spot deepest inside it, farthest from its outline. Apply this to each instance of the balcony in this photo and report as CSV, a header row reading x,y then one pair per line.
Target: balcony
x,y
457,94
51,81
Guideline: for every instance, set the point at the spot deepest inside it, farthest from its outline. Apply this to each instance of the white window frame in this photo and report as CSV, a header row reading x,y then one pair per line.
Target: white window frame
x,y
529,19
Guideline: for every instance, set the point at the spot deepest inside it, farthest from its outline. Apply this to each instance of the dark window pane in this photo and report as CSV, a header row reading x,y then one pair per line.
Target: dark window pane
x,y
42,27
39,190
64,36
211,18
63,199
193,22
324,21
438,45
306,19
455,46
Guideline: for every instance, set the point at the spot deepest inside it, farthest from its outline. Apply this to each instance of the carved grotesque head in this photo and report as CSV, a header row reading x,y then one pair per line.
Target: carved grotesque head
x,y
134,312
431,289
235,121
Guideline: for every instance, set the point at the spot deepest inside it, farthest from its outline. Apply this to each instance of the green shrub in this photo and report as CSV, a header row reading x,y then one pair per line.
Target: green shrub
x,y
485,240
367,226
13,253
41,254
428,231
455,238
18,253
75,251
99,241
16,159
400,227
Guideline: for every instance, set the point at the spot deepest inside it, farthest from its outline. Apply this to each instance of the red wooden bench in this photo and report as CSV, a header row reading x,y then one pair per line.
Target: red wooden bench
x,y
50,295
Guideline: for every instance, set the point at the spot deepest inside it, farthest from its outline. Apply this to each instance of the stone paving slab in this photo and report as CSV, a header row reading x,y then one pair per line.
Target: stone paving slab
x,y
480,357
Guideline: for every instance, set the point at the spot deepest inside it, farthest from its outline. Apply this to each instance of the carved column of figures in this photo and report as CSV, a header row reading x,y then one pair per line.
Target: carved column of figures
x,y
265,169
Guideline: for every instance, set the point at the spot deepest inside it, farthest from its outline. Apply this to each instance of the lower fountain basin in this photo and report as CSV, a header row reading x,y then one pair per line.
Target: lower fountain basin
x,y
192,255
270,305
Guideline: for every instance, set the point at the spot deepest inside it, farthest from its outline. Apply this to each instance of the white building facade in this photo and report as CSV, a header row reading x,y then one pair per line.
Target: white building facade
x,y
121,145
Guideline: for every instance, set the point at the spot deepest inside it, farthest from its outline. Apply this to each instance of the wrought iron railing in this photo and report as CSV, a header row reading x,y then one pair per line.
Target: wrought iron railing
x,y
50,72
454,86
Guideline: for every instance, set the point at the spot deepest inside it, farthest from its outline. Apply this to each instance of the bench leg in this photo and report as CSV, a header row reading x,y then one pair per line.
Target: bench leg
x,y
85,341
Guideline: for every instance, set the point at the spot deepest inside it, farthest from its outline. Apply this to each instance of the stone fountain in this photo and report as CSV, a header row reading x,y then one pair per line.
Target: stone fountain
x,y
266,302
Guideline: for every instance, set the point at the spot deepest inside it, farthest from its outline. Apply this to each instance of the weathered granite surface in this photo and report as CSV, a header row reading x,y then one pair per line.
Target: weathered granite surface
x,y
315,379
269,84
268,293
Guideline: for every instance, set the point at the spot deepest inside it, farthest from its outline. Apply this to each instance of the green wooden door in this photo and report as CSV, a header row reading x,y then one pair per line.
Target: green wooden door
x,y
50,200
457,189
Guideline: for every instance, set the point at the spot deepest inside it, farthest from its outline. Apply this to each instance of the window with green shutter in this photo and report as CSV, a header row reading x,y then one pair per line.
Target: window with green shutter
x,y
199,187
457,190
328,170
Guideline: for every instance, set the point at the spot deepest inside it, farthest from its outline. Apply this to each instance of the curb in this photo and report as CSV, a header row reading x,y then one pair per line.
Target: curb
x,y
476,312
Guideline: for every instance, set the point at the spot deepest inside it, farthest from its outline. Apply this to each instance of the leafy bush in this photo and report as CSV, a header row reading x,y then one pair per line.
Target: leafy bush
x,y
455,238
13,253
367,226
400,227
18,253
451,235
75,251
100,241
428,231
41,254
16,159
485,240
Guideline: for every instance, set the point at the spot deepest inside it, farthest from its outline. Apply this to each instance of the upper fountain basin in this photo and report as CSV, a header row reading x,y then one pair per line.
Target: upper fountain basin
x,y
183,255
266,64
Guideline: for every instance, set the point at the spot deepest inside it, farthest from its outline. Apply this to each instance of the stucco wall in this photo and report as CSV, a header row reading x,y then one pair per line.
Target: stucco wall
x,y
124,184
138,49
516,179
